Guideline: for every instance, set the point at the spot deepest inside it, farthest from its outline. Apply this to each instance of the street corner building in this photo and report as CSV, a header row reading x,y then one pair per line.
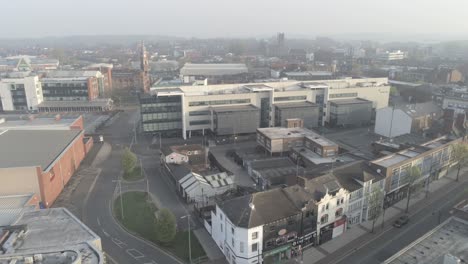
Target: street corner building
x,y
40,162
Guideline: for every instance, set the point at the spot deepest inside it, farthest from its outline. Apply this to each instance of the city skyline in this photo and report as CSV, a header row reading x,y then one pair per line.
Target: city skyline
x,y
182,18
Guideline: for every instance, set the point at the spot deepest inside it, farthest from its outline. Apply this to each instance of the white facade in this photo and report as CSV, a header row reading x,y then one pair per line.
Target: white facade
x,y
28,99
199,188
239,245
358,206
197,101
390,122
330,209
460,105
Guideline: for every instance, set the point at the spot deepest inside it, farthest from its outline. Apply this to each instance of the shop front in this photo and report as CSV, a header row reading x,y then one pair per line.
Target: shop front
x,y
278,255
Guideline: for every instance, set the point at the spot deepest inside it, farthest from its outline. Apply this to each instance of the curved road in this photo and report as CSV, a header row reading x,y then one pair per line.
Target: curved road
x,y
120,246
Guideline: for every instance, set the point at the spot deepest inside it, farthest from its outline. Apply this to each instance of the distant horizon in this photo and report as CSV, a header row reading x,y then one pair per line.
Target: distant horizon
x,y
369,36
423,20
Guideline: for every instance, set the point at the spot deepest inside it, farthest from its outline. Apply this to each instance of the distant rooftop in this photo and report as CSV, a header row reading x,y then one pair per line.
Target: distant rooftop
x,y
40,123
295,105
213,69
349,101
72,74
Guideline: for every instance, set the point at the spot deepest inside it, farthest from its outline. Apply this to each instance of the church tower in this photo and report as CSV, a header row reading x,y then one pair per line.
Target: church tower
x,y
144,67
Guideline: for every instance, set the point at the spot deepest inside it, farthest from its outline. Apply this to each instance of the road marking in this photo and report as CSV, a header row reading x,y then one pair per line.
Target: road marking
x,y
105,233
119,243
98,222
135,253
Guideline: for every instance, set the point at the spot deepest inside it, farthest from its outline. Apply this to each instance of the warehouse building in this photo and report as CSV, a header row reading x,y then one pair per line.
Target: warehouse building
x,y
350,112
40,162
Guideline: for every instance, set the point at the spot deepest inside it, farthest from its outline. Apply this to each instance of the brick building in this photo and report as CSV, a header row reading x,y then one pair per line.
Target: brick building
x,y
40,161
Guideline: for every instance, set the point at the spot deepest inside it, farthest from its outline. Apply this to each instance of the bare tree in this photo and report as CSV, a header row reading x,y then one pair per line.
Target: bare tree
x,y
413,173
375,200
460,156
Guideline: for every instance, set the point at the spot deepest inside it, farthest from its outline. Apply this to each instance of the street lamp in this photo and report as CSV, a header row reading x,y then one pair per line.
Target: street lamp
x,y
190,243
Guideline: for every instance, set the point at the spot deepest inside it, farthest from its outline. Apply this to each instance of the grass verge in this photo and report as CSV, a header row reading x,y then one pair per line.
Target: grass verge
x,y
135,175
139,217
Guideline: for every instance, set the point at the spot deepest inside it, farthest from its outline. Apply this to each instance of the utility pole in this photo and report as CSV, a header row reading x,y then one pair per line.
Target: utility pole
x,y
190,243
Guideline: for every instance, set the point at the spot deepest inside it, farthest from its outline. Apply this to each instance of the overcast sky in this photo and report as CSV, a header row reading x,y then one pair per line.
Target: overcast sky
x,y
233,18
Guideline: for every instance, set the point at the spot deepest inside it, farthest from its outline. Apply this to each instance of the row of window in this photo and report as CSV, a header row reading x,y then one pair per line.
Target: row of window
x,y
290,98
199,113
338,202
161,116
220,102
162,126
200,122
341,95
64,84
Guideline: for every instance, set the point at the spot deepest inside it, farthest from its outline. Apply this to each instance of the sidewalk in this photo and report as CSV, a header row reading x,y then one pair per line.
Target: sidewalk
x,y
208,244
358,235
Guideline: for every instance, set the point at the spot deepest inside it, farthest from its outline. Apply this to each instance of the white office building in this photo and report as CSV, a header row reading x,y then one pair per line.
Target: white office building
x,y
191,107
22,93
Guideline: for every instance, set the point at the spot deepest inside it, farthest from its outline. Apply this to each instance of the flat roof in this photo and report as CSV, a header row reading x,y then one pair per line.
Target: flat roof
x,y
283,132
56,230
295,105
349,101
450,237
239,108
48,123
213,69
76,103
27,148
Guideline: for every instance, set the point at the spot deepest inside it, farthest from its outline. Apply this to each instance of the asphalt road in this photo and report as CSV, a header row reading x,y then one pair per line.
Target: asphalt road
x,y
395,239
120,246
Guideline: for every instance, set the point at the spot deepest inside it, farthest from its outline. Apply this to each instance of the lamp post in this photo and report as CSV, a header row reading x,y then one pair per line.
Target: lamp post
x,y
190,243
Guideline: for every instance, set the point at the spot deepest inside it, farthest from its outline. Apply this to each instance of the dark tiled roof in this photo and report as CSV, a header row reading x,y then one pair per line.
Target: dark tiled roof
x,y
268,206
349,176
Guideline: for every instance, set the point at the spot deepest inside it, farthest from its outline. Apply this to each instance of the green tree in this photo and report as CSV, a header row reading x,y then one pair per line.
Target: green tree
x,y
165,226
413,173
460,156
129,161
375,204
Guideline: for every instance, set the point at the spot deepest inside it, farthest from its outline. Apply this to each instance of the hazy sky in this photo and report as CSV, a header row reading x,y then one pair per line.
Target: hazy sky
x,y
236,18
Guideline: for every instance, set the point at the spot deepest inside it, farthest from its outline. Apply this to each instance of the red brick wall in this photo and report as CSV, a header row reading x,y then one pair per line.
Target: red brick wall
x,y
93,88
78,123
52,182
89,144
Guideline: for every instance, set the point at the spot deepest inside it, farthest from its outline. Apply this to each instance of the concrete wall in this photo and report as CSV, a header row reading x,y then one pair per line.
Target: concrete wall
x,y
400,125
350,114
310,116
238,122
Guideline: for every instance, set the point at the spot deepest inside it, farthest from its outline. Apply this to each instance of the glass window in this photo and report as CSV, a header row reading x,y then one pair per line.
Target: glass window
x,y
254,235
200,122
290,98
341,95
254,247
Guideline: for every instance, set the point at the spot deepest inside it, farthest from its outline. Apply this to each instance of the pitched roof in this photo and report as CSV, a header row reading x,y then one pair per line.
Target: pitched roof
x,y
350,175
421,109
259,208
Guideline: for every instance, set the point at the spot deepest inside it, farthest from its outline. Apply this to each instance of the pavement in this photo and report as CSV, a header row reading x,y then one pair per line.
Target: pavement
x,y
91,197
359,245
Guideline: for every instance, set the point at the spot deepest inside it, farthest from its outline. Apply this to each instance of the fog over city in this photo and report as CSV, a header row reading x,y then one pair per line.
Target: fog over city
x,y
242,18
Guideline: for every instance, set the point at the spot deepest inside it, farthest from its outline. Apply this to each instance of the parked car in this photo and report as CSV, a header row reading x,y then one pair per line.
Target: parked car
x,y
403,220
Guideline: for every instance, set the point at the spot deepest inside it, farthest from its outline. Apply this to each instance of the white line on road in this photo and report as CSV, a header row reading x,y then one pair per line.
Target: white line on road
x,y
105,233
135,253
119,243
98,222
